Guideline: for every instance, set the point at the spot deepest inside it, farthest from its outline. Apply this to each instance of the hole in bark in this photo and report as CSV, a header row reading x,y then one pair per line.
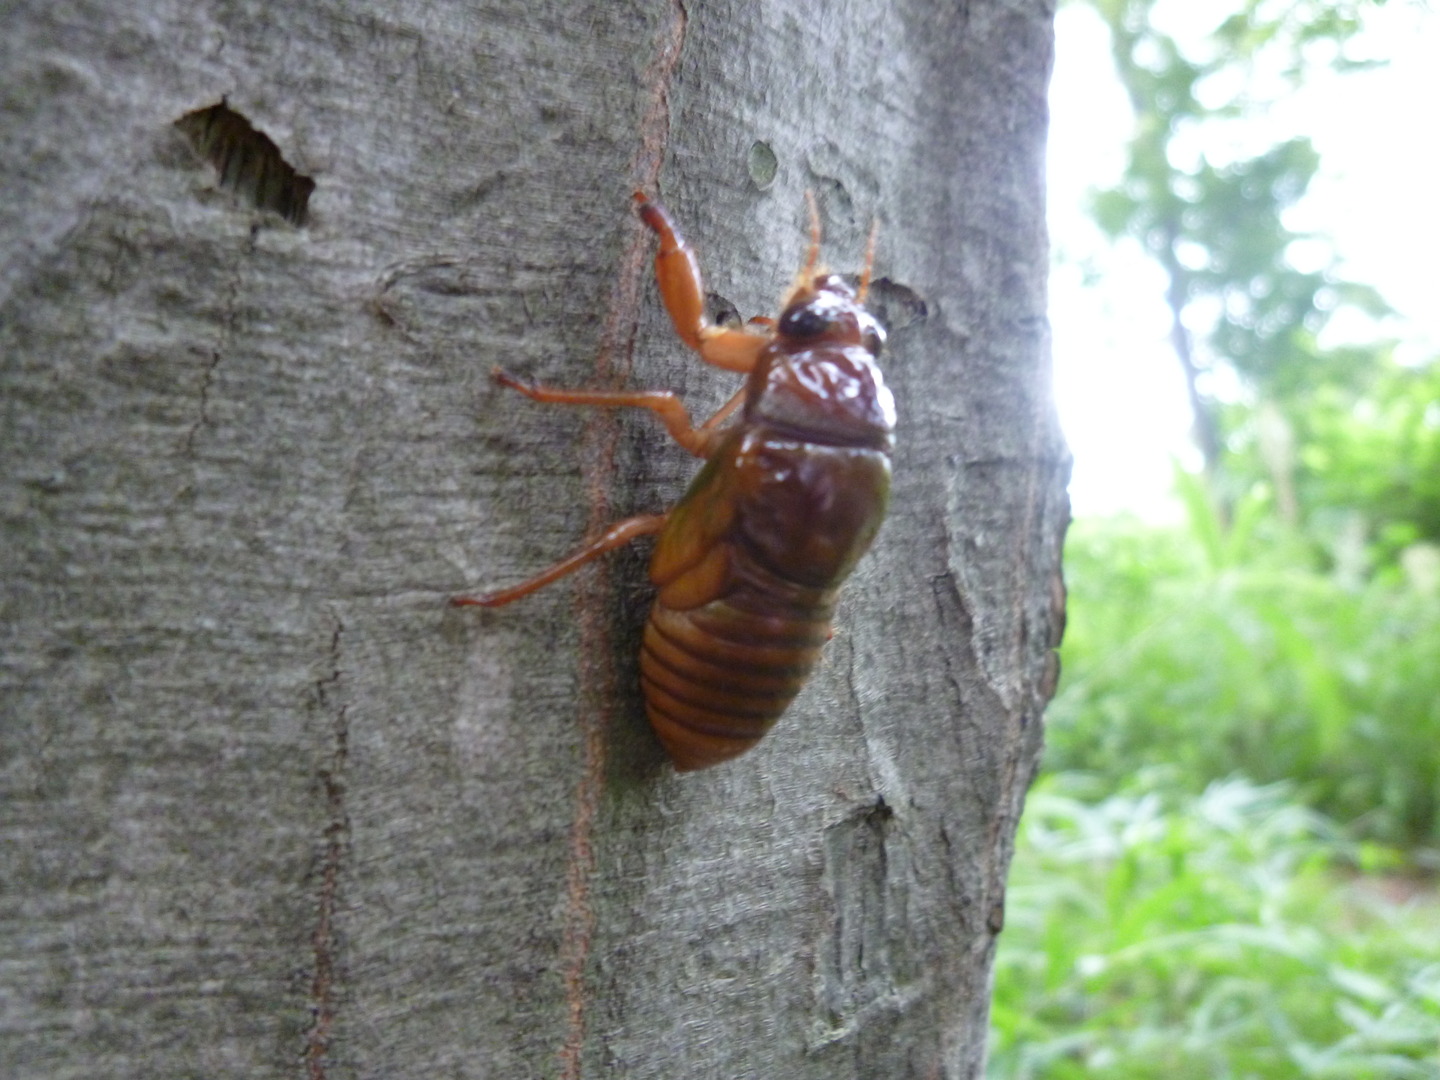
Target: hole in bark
x,y
721,311
762,164
248,161
895,305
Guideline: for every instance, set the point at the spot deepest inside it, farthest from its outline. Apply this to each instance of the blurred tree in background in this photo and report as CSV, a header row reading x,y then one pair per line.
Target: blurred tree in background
x,y
1249,297
1341,435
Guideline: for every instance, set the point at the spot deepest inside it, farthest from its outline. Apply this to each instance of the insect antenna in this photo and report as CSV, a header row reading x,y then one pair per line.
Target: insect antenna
x,y
812,257
869,260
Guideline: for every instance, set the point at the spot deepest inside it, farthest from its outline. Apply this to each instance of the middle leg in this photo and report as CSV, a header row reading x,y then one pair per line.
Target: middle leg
x,y
664,404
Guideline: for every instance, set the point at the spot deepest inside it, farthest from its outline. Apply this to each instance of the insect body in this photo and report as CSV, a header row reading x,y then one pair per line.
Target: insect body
x,y
749,563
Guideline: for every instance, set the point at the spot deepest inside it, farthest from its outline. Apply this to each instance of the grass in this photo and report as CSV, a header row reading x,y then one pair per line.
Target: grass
x,y
1168,919
1220,935
1243,656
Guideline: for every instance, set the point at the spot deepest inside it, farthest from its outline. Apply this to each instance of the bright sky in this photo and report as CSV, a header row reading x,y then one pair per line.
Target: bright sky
x,y
1118,385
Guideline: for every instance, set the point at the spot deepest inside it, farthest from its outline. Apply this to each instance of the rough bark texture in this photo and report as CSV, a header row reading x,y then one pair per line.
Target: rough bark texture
x,y
269,807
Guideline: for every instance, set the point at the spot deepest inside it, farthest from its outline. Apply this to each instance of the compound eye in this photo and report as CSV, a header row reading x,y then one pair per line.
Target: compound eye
x,y
803,323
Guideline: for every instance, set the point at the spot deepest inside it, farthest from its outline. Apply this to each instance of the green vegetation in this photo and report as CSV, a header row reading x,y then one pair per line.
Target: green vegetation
x,y
1205,938
1229,867
1218,652
1169,918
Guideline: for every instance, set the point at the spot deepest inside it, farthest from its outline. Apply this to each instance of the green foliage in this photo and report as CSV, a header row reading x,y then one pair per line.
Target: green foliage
x,y
1293,26
1203,937
1376,455
1219,650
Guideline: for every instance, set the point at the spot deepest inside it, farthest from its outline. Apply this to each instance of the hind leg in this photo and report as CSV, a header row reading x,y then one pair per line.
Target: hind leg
x,y
618,535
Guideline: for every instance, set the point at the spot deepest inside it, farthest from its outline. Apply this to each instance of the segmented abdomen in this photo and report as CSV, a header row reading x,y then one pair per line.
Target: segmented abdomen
x,y
718,676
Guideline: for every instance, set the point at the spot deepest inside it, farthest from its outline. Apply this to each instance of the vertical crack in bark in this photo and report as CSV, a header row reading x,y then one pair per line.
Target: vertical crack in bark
x,y
204,411
207,380
592,597
322,983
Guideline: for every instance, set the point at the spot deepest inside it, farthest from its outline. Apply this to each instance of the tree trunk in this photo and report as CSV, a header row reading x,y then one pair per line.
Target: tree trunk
x,y
270,807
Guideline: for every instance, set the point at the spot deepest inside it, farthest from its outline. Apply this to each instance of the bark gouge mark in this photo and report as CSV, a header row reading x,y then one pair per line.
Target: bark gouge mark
x,y
248,161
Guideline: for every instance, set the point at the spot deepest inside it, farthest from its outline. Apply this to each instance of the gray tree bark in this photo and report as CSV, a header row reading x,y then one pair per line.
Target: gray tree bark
x,y
270,808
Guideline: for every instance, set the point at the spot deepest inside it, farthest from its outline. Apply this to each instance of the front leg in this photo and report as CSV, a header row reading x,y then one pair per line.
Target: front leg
x,y
677,272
